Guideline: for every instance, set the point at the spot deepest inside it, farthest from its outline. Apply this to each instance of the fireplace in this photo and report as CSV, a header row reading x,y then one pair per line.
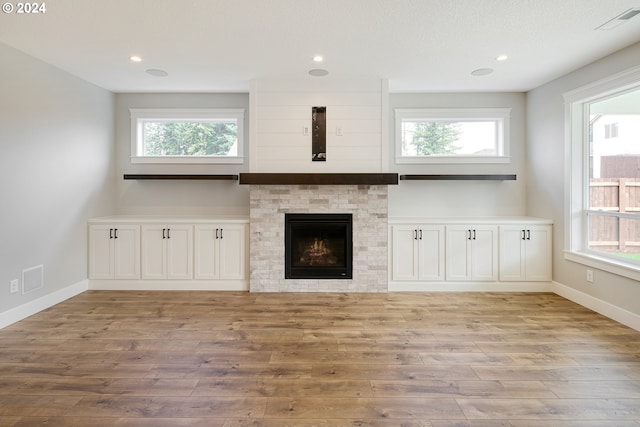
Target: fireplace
x,y
318,246
269,204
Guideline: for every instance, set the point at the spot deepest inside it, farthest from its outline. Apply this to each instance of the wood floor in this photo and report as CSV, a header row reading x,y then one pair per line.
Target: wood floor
x,y
225,359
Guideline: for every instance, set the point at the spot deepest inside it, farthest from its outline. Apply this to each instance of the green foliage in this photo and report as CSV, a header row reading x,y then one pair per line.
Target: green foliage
x,y
435,138
189,138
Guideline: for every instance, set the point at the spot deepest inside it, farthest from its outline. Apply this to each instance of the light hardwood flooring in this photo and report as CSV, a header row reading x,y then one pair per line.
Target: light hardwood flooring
x,y
227,359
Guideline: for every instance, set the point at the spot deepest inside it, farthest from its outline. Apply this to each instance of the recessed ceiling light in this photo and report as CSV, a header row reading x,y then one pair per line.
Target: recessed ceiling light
x,y
502,58
135,58
482,72
157,73
318,58
318,72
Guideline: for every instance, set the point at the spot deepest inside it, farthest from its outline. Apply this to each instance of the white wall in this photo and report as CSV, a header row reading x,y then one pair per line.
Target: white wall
x,y
283,109
57,163
161,197
545,182
461,198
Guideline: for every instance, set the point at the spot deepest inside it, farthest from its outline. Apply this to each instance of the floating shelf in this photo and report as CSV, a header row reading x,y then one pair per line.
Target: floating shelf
x,y
184,177
319,178
457,177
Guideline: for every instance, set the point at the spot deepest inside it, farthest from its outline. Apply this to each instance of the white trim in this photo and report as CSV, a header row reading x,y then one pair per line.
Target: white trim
x,y
384,126
606,264
602,87
616,313
443,286
138,115
33,307
169,285
450,160
609,310
187,160
253,126
499,115
576,170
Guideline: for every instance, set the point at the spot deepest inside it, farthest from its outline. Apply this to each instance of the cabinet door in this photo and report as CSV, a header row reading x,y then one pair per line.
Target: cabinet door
x,y
100,252
206,251
538,253
484,242
404,252
154,259
458,253
179,242
512,252
431,252
126,258
232,251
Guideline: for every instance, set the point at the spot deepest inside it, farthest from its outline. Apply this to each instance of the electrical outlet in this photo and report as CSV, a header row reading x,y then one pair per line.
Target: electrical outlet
x,y
590,276
14,286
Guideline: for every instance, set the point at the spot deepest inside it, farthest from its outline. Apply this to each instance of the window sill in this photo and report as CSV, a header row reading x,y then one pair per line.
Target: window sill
x,y
605,264
453,160
166,160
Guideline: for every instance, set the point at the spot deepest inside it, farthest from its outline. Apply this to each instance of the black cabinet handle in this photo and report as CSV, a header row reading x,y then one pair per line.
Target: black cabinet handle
x,y
115,233
524,235
111,233
163,235
221,233
420,234
217,233
415,234
528,234
168,233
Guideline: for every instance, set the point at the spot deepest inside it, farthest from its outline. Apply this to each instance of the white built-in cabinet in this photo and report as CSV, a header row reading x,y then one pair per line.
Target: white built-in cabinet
x,y
167,251
525,252
220,250
114,251
137,252
471,252
417,252
447,251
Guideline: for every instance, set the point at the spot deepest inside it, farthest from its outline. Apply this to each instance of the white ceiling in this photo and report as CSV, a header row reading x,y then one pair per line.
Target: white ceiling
x,y
418,45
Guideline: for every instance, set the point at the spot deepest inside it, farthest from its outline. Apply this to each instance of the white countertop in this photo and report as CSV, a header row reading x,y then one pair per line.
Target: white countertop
x,y
470,220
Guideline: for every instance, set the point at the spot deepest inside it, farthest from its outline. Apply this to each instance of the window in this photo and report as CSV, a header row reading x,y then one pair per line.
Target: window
x,y
452,135
603,140
611,130
187,135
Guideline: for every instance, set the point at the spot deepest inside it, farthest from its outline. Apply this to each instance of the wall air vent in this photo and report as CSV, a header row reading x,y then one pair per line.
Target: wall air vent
x,y
619,20
32,279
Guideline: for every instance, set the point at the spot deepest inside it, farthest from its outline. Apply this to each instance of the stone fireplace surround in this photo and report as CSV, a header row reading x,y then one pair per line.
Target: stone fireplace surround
x,y
367,203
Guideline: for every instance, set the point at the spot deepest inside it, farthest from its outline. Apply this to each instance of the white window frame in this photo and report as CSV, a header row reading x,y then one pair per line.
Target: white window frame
x,y
499,115
577,172
139,115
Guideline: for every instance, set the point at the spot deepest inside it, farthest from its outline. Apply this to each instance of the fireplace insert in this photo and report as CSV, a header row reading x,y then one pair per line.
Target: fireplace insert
x,y
318,246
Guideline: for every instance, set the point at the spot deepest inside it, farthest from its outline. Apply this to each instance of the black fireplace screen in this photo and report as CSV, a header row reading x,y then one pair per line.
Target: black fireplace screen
x,y
318,246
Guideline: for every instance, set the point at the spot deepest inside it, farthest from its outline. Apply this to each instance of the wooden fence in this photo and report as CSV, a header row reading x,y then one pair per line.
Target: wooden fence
x,y
612,234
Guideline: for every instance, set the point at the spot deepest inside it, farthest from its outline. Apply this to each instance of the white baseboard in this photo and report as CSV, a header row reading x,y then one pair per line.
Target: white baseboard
x,y
32,307
168,285
609,310
470,286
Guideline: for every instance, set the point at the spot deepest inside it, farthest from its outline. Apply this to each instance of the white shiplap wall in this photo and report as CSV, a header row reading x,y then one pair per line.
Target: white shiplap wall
x,y
283,109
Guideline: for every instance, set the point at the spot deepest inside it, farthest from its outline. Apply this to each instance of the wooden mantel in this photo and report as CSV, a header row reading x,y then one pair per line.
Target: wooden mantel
x,y
319,178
